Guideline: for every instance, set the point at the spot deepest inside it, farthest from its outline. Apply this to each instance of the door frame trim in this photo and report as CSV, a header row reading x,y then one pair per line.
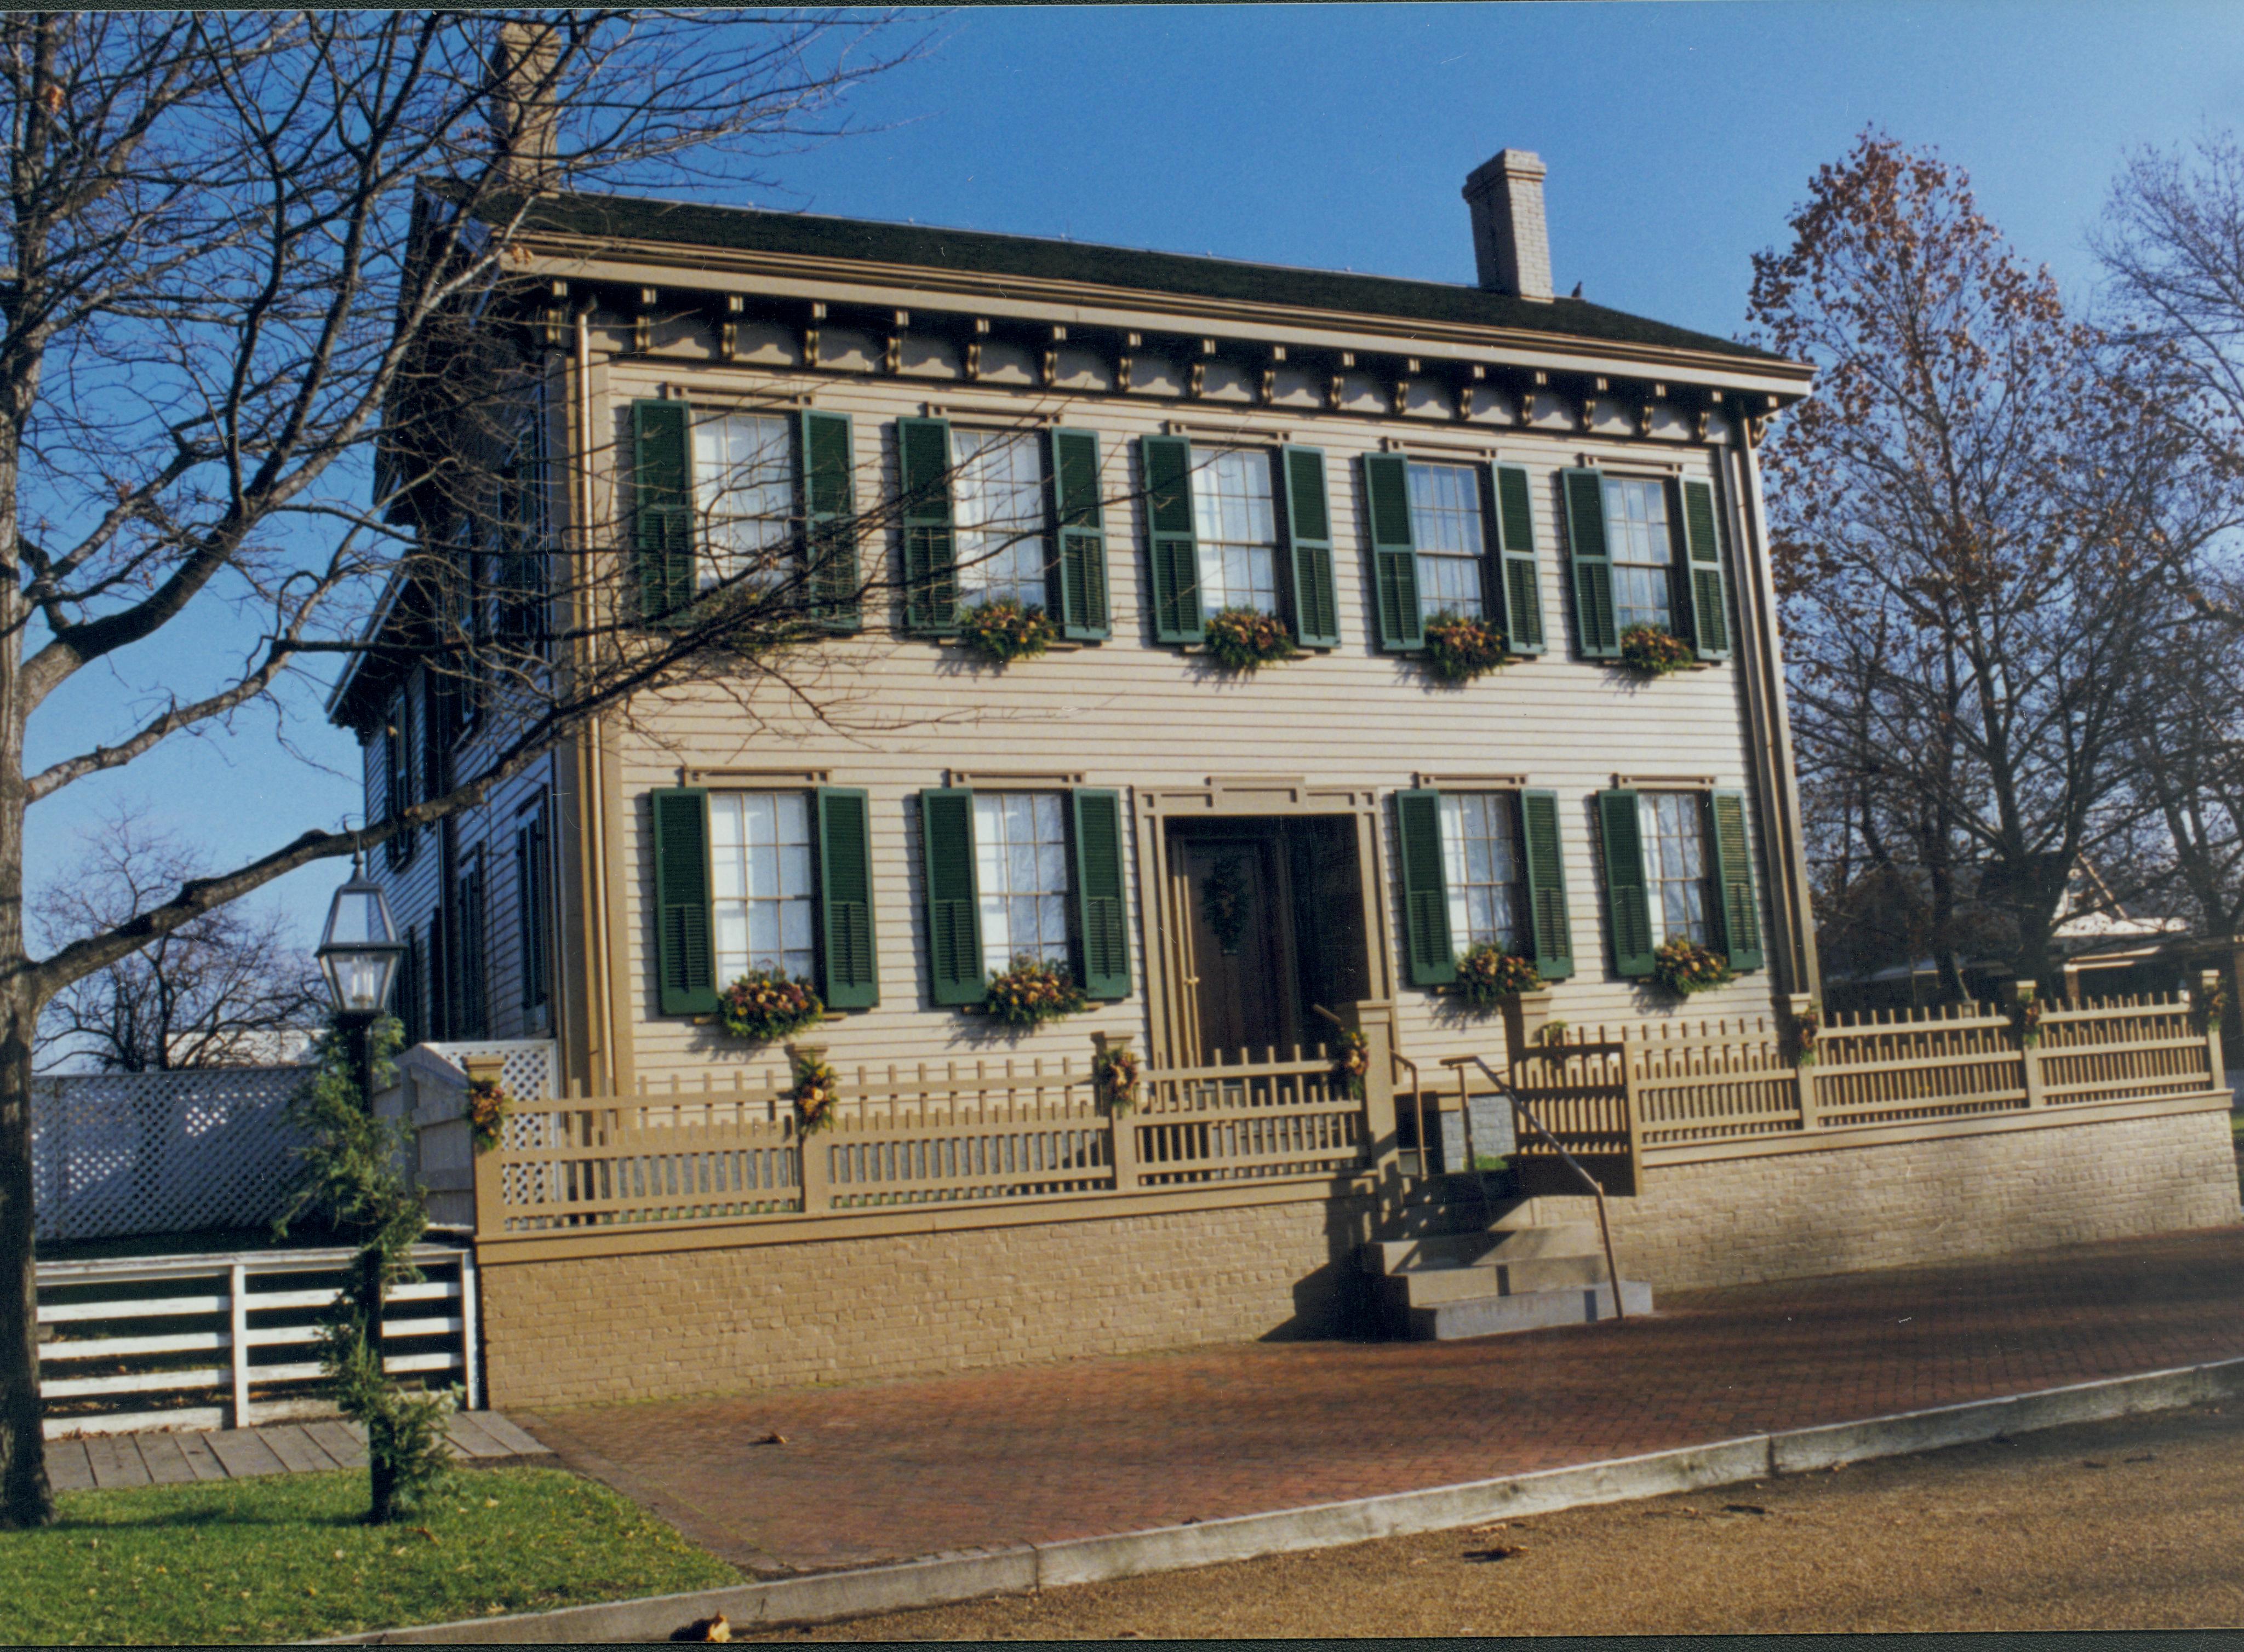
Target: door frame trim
x,y
1234,796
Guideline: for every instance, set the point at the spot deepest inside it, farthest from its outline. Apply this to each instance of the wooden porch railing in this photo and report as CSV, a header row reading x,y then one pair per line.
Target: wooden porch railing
x,y
1652,1090
937,1133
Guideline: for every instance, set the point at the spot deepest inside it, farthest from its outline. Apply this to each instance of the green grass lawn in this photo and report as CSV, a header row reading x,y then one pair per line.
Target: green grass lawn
x,y
285,1557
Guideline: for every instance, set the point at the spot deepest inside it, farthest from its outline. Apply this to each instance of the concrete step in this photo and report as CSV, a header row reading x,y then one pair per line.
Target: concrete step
x,y
1425,1287
1514,1238
1493,1315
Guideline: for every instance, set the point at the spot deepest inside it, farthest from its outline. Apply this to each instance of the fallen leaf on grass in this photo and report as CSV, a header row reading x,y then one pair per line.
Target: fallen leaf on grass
x,y
426,1532
707,1628
772,1439
1501,1552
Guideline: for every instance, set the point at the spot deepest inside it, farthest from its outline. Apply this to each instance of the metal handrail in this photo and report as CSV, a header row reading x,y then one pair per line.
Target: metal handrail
x,y
1520,1110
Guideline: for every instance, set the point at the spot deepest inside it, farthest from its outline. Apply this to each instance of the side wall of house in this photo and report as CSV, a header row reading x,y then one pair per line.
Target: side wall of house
x,y
902,714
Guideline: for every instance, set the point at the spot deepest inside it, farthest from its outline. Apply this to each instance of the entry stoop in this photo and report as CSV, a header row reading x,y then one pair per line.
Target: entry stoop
x,y
1503,1273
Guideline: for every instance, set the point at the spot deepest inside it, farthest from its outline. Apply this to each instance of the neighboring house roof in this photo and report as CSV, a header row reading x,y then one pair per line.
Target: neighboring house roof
x,y
978,252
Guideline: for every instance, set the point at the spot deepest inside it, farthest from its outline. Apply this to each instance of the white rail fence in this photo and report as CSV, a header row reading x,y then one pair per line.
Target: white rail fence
x,y
115,1154
226,1340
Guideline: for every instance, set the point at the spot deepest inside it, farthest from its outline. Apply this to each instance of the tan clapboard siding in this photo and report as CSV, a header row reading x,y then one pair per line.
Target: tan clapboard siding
x,y
1130,715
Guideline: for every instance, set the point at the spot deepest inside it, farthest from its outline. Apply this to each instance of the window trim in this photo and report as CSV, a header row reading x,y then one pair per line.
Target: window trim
x,y
1709,878
1520,885
816,893
1488,562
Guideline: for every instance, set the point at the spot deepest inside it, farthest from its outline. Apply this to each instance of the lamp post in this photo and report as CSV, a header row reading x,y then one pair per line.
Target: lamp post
x,y
358,954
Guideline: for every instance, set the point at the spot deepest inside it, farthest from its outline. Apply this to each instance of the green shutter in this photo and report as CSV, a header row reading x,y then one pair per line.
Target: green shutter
x,y
1175,553
1733,862
1394,554
954,917
1518,580
1077,576
930,547
1425,893
1709,593
686,970
662,515
1101,922
830,519
1595,634
1550,929
1628,911
1308,548
851,974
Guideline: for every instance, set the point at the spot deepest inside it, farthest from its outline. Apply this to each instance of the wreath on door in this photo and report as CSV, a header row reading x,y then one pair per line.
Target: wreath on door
x,y
1225,902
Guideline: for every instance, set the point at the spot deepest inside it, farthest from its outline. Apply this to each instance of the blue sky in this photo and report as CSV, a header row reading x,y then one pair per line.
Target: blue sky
x,y
1678,136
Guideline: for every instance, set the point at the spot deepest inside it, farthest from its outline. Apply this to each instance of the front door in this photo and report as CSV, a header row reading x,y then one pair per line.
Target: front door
x,y
1241,990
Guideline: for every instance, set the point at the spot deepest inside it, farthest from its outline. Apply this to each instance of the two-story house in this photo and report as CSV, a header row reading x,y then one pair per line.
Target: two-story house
x,y
1157,454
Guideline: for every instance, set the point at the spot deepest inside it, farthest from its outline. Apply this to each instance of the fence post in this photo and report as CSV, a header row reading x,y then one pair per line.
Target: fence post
x,y
2208,989
814,1161
2028,1033
1803,1009
1122,1143
1375,1019
486,1174
236,1303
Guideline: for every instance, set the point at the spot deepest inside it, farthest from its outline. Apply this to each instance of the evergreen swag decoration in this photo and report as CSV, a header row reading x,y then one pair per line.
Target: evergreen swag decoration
x,y
351,1178
1116,1072
816,1085
1004,631
2025,1016
2209,1003
486,1112
1487,976
764,1004
1685,967
1806,1027
1652,652
1460,647
1033,992
1247,639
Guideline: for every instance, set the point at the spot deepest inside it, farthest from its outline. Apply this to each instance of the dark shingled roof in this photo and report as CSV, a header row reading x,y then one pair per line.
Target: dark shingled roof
x,y
981,253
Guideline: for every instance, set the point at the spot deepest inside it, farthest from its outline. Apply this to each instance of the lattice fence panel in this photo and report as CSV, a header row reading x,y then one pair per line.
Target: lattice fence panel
x,y
118,1154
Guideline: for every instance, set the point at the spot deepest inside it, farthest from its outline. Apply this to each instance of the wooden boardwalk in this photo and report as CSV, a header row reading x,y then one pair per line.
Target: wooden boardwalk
x,y
283,1448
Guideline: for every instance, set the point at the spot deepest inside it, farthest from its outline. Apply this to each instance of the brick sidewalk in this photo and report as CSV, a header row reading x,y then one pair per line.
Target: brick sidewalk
x,y
1044,1453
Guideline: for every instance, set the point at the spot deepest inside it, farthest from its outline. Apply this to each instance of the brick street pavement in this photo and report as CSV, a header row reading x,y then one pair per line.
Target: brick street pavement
x,y
1041,1452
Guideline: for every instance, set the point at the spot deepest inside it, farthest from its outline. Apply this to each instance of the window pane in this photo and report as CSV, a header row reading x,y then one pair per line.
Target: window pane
x,y
1675,866
1445,521
1643,553
1238,532
761,883
1481,864
998,501
1021,856
743,496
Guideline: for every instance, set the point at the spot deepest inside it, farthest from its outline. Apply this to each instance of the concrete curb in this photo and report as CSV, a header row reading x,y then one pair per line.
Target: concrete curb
x,y
941,1579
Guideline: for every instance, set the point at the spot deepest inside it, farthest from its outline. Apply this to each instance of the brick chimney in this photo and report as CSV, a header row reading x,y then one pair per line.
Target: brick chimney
x,y
1510,242
524,118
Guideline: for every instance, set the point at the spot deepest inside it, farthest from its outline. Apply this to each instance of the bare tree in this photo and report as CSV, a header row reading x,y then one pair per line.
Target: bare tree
x,y
256,261
225,990
1977,522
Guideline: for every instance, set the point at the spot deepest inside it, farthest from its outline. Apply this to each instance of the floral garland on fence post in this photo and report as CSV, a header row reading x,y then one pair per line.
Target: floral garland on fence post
x,y
1653,651
1247,639
1006,630
486,1111
1487,976
1684,966
1460,647
1033,992
816,1086
2209,1003
2025,1015
764,1004
1806,1027
1116,1072
1351,1061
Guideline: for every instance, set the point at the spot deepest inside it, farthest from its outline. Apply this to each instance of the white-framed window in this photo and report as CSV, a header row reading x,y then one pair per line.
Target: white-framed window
x,y
1020,867
1447,527
760,883
743,472
1677,885
1485,871
999,492
1643,551
1237,529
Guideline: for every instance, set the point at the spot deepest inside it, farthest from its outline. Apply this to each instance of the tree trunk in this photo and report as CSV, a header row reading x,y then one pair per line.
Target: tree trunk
x,y
26,1498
